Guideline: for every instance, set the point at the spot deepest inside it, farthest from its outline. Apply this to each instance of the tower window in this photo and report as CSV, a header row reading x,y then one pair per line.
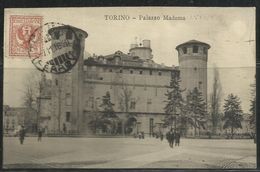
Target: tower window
x,y
159,73
151,72
205,50
195,49
200,85
184,49
67,116
110,70
68,99
56,81
69,34
120,71
131,71
132,104
141,72
56,35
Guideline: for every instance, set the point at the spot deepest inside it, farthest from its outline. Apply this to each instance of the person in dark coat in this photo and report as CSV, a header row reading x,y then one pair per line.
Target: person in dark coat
x,y
39,135
161,136
177,138
170,138
22,135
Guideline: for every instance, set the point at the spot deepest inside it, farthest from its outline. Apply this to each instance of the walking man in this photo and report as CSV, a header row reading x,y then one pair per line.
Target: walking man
x,y
22,135
39,135
161,136
177,138
170,138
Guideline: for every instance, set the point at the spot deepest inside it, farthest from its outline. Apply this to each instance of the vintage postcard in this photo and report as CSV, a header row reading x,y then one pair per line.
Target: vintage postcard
x,y
129,87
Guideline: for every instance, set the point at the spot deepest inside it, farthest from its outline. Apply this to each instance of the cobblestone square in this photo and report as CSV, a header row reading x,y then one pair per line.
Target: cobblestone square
x,y
127,153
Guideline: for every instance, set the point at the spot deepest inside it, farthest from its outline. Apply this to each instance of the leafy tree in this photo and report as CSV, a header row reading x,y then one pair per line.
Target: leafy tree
x,y
232,113
215,102
174,100
108,118
195,109
252,116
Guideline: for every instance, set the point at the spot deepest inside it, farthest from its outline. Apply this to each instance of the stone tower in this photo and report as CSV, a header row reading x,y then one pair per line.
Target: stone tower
x,y
67,87
193,57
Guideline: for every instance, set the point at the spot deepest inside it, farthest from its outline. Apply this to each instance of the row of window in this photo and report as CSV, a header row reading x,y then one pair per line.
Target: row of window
x,y
68,34
140,72
195,49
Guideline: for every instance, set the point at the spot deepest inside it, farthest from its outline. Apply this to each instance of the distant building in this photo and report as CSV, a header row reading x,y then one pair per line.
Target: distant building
x,y
13,117
75,95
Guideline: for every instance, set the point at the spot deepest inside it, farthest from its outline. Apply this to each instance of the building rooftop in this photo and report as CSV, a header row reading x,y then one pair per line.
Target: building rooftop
x,y
125,60
193,42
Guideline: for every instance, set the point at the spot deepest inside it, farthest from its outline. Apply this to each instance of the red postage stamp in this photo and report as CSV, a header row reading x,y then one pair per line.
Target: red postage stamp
x,y
21,30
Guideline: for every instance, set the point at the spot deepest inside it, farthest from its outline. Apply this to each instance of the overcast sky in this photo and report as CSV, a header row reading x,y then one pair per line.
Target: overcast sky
x,y
227,30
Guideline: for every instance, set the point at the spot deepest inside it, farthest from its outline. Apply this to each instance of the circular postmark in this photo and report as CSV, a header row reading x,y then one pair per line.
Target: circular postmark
x,y
60,51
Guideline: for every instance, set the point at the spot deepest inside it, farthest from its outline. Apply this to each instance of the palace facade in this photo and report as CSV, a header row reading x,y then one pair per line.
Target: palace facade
x,y
137,86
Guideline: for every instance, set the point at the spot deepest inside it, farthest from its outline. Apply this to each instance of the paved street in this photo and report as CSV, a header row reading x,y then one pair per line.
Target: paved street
x,y
127,153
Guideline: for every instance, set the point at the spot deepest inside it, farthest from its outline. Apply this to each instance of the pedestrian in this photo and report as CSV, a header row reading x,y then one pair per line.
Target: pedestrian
x,y
39,135
177,138
170,138
140,135
161,136
22,134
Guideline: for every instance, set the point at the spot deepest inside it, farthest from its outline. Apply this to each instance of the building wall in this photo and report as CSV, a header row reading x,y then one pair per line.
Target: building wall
x,y
148,91
193,68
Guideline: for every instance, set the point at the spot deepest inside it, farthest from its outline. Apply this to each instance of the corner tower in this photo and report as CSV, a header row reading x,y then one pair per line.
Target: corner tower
x,y
193,58
67,87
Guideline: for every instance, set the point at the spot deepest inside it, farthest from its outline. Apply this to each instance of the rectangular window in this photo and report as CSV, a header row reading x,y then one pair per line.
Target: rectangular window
x,y
205,50
56,35
131,71
151,72
69,34
132,104
121,71
110,70
141,72
151,126
200,85
149,101
56,81
159,73
91,101
67,116
184,49
68,99
195,49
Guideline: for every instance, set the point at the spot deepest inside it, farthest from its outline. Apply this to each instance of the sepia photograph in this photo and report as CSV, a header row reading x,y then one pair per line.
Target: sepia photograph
x,y
129,87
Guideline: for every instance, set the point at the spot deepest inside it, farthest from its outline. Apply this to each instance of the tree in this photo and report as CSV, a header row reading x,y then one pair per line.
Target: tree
x,y
252,117
195,109
215,102
31,91
174,101
108,118
233,114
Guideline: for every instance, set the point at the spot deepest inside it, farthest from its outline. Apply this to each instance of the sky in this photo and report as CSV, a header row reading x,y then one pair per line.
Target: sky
x,y
227,30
